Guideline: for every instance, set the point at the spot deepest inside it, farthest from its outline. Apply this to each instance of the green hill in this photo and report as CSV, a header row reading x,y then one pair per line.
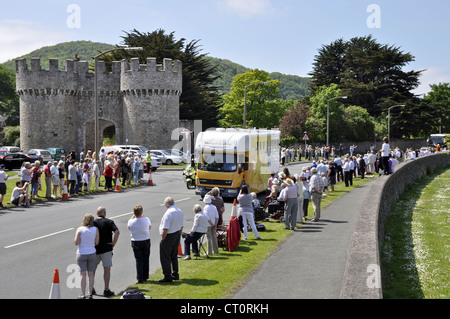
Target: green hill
x,y
292,86
85,50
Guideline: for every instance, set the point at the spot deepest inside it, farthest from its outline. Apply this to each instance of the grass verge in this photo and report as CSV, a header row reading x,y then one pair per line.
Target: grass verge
x,y
415,255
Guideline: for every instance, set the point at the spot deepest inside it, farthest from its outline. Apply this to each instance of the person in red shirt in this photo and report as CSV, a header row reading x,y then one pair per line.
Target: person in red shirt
x,y
109,171
48,179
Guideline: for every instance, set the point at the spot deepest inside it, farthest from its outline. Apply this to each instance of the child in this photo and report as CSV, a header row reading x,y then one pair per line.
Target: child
x,y
85,179
325,182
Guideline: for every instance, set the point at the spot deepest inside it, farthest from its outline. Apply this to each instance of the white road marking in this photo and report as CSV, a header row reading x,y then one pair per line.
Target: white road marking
x,y
70,229
180,200
38,238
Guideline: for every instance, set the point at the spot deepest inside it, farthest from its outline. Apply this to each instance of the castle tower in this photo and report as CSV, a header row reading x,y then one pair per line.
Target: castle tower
x,y
57,107
151,96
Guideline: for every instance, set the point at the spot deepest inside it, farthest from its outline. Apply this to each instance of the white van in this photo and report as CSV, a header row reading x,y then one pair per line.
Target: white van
x,y
156,162
132,148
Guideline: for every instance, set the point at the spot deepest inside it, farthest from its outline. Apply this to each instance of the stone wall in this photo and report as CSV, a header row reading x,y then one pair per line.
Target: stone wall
x,y
362,278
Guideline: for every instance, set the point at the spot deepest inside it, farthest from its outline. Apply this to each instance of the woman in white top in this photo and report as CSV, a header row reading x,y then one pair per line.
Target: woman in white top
x,y
139,227
86,238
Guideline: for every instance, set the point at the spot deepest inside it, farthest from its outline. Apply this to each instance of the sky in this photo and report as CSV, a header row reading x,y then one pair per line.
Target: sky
x,y
272,35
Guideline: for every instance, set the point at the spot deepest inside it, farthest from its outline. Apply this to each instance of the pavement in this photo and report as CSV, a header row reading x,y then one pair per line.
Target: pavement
x,y
311,263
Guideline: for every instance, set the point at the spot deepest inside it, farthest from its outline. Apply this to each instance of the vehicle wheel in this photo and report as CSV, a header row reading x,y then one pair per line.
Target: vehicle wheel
x,y
189,184
169,162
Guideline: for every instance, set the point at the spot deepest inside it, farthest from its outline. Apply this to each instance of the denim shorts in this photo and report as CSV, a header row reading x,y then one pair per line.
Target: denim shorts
x,y
34,187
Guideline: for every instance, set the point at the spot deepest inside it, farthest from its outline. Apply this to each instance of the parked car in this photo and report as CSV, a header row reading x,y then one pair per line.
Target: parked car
x,y
15,160
156,161
11,149
166,157
56,152
3,153
183,155
45,154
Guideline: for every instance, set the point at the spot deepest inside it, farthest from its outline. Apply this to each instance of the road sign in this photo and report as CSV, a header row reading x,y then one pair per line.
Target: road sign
x,y
305,137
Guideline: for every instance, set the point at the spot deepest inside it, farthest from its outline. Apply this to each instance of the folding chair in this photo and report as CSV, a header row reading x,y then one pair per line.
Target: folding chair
x,y
201,247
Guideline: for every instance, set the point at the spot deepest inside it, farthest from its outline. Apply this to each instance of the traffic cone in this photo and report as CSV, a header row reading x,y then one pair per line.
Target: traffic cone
x,y
180,251
150,180
118,188
234,213
55,293
65,195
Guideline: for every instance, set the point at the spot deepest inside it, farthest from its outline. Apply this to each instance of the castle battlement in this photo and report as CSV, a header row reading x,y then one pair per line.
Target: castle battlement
x,y
124,77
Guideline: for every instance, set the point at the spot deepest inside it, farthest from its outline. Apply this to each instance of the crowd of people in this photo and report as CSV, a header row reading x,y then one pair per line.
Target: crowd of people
x,y
79,173
96,238
292,193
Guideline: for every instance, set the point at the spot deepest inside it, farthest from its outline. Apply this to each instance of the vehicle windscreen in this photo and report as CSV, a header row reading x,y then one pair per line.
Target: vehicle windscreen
x,y
219,162
437,140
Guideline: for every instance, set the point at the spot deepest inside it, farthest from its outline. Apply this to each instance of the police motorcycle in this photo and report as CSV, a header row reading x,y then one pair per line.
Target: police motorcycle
x,y
190,174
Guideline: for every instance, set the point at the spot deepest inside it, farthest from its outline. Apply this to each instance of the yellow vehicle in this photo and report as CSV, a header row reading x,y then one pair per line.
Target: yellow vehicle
x,y
231,158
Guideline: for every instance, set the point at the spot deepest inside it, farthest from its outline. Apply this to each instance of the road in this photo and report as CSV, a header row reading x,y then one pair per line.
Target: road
x,y
36,240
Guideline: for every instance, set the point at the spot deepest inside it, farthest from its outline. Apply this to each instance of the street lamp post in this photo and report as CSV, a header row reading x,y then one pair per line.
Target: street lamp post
x,y
389,120
96,126
245,100
328,116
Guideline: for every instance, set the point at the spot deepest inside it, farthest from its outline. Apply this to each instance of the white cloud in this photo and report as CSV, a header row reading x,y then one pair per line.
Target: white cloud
x,y
18,37
246,8
431,75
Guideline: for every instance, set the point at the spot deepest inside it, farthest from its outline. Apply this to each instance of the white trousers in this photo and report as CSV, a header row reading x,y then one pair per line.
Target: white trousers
x,y
250,218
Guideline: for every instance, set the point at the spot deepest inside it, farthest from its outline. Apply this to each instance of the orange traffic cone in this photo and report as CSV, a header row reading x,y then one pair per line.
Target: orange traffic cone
x,y
180,251
55,292
65,195
150,180
118,188
234,213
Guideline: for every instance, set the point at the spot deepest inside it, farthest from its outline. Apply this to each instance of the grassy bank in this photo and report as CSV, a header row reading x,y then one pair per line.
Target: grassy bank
x,y
415,255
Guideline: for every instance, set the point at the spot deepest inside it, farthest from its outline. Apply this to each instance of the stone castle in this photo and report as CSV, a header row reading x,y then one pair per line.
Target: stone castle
x,y
57,108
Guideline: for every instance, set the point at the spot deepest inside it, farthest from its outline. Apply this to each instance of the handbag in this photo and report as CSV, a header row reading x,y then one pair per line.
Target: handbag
x,y
133,294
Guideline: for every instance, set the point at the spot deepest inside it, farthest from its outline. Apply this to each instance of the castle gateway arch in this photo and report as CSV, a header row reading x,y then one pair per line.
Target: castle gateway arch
x,y
57,107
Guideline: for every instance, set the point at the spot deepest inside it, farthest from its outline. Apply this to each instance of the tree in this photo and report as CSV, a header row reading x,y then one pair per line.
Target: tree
x,y
293,123
439,97
200,96
366,71
263,110
9,100
359,125
318,107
